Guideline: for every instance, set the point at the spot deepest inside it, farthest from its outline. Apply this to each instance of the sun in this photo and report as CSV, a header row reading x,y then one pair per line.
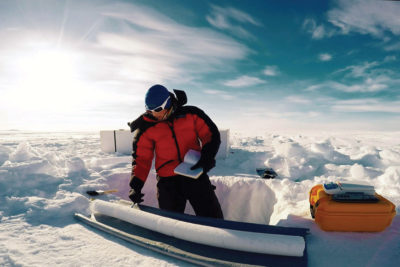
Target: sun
x,y
46,79
44,68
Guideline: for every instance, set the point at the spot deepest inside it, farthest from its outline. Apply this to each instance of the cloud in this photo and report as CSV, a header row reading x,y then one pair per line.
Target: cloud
x,y
298,100
325,57
271,71
151,46
366,17
230,19
373,79
317,31
366,77
368,85
223,94
367,105
376,85
361,70
269,110
376,18
244,81
389,58
125,42
392,47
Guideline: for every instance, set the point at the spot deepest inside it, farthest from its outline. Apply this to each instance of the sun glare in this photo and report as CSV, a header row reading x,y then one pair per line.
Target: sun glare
x,y
47,79
47,67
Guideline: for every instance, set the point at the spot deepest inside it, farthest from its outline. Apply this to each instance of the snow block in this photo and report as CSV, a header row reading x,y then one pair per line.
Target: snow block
x,y
255,242
120,141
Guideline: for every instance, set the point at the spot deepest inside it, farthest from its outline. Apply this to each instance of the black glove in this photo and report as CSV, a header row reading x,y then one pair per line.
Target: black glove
x,y
206,163
136,196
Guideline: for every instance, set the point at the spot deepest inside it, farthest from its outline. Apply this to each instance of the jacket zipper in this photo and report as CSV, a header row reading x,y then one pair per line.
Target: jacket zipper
x,y
165,163
176,141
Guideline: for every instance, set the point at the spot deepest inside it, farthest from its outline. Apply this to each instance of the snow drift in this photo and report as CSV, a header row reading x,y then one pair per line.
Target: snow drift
x,y
44,177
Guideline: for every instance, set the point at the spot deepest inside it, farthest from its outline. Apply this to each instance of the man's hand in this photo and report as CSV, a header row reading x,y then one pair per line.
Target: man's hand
x,y
206,164
136,196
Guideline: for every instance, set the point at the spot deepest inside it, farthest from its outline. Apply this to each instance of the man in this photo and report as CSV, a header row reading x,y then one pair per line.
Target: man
x,y
169,129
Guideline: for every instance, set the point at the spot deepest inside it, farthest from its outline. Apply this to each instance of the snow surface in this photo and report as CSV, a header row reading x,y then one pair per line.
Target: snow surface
x,y
44,177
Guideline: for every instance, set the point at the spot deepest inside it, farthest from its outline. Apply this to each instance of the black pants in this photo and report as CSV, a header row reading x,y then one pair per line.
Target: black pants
x,y
172,193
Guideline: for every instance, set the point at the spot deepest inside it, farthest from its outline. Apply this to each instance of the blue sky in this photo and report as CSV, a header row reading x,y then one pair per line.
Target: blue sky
x,y
251,65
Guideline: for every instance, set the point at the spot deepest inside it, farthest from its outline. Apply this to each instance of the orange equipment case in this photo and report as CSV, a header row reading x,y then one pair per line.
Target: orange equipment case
x,y
350,217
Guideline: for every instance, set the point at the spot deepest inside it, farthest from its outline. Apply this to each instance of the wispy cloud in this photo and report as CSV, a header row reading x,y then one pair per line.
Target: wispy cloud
x,y
361,70
223,94
271,71
389,58
325,57
364,77
366,86
244,81
376,18
373,70
263,110
367,105
317,31
392,47
366,17
298,99
230,19
126,42
155,47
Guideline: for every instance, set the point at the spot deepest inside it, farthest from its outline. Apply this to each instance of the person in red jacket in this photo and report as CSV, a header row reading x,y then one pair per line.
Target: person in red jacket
x,y
169,129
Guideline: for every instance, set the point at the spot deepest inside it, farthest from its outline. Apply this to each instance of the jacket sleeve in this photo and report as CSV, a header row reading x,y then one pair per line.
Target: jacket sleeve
x,y
142,157
208,133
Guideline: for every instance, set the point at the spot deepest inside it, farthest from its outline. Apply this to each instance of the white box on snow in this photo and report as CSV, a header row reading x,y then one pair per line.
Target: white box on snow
x,y
116,141
121,141
107,141
223,151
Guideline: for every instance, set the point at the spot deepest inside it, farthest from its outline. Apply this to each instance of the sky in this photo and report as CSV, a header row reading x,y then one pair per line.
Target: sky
x,y
250,65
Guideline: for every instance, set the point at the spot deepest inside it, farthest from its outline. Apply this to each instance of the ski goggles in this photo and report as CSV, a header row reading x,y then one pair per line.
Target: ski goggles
x,y
161,107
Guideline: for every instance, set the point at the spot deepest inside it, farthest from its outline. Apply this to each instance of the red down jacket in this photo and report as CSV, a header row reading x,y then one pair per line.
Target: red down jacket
x,y
188,127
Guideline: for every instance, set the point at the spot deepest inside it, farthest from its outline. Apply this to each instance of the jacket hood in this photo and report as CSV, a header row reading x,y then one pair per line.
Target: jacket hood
x,y
180,97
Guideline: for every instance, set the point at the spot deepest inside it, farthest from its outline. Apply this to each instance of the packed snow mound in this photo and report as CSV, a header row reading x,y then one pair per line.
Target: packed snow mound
x,y
41,184
389,182
297,161
329,152
24,152
4,154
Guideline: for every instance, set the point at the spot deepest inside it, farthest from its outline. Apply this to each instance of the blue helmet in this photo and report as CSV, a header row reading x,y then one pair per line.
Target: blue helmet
x,y
157,97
